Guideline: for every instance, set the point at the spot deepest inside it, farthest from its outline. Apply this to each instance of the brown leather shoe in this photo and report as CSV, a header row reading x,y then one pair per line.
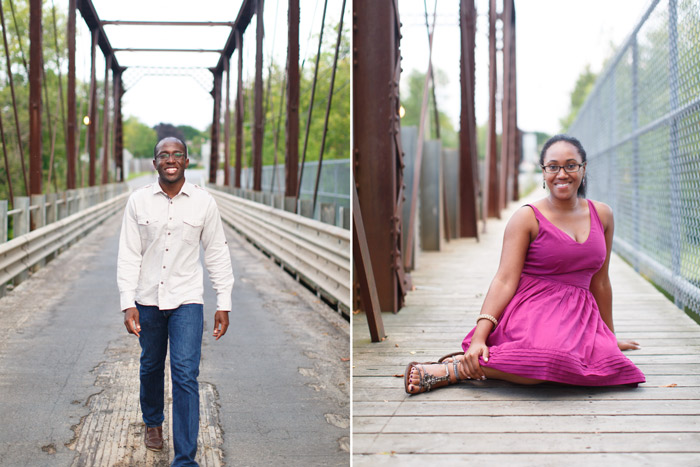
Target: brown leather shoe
x,y
153,437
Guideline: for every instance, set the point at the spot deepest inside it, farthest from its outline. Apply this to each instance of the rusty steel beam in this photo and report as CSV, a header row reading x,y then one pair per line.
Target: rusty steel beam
x,y
291,156
408,254
363,264
468,157
240,109
105,124
166,23
215,126
71,154
515,133
227,124
92,126
378,164
491,178
258,127
89,14
117,143
136,49
507,139
36,66
245,15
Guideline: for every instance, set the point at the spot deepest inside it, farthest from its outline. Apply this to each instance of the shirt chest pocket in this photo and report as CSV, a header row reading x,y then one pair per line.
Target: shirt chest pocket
x,y
148,228
192,231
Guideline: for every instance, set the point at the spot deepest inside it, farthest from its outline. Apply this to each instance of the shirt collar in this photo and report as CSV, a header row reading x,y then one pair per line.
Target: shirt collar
x,y
185,190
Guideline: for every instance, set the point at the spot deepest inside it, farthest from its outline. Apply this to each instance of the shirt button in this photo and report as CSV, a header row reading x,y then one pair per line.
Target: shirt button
x,y
163,268
168,233
161,283
166,249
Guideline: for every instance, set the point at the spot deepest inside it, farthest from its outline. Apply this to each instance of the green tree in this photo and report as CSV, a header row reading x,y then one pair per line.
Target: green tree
x,y
139,138
411,100
583,87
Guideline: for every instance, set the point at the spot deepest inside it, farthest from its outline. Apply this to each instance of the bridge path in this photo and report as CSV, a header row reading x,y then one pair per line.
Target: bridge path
x,y
497,423
274,389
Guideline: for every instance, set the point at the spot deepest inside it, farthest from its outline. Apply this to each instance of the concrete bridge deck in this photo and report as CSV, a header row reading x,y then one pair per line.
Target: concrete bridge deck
x,y
274,389
496,423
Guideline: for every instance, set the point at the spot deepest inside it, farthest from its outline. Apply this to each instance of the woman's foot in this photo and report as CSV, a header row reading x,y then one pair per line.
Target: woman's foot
x,y
422,377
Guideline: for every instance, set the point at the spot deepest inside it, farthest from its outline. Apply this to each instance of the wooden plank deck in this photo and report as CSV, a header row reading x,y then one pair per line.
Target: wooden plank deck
x,y
494,422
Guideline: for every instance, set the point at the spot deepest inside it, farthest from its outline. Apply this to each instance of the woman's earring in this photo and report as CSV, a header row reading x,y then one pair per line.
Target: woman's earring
x,y
543,187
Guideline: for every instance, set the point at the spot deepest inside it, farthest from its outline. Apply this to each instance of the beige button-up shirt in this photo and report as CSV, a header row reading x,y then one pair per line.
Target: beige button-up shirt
x,y
159,260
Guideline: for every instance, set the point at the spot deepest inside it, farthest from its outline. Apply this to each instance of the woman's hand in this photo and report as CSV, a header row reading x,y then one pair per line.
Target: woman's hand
x,y
626,344
471,360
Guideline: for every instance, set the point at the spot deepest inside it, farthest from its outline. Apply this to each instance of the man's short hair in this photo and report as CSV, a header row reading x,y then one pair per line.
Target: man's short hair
x,y
155,148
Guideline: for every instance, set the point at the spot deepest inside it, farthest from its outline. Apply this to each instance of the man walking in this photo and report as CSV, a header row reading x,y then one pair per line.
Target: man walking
x,y
160,281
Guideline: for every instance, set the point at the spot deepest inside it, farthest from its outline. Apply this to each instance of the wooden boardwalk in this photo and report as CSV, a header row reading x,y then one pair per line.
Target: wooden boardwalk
x,y
497,423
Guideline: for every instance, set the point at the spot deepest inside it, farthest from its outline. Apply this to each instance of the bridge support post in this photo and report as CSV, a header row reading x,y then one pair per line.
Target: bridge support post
x,y
378,158
71,128
215,124
510,161
468,170
36,66
239,110
92,126
118,142
227,123
258,129
491,177
105,123
291,157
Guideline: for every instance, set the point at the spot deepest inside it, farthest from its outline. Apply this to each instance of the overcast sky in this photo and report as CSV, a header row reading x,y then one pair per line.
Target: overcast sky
x,y
556,39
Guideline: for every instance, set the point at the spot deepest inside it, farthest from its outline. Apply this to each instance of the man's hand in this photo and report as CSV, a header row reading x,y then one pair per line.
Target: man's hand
x,y
220,323
131,321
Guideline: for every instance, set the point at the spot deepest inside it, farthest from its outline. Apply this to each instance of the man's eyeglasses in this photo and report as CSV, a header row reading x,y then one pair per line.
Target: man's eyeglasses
x,y
178,156
568,168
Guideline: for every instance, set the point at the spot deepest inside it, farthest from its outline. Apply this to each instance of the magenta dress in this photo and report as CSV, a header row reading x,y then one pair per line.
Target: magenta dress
x,y
552,329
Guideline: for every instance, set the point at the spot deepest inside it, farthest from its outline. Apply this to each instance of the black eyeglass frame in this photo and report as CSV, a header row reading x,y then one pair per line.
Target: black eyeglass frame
x,y
559,167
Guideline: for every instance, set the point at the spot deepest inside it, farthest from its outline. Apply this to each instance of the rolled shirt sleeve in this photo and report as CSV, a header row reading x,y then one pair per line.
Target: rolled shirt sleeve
x,y
129,257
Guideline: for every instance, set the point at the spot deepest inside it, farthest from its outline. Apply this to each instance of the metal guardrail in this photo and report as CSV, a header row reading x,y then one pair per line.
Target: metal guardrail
x,y
317,253
20,254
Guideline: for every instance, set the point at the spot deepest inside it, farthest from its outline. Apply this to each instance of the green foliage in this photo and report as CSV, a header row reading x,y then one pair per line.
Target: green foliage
x,y
583,87
139,138
412,99
337,145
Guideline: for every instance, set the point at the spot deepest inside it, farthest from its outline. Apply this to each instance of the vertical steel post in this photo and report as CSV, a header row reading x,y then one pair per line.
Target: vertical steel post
x,y
258,129
105,123
92,127
239,110
215,126
70,100
491,178
227,123
117,131
468,168
513,109
35,71
506,161
378,159
291,157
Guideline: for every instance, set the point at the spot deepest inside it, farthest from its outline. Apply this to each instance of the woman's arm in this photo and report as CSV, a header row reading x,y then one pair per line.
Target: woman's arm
x,y
520,231
600,282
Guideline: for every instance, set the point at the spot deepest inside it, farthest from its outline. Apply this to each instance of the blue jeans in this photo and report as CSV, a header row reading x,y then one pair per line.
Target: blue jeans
x,y
183,326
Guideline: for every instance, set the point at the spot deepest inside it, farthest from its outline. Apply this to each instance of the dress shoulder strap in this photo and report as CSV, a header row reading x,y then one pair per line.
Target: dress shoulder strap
x,y
594,214
537,212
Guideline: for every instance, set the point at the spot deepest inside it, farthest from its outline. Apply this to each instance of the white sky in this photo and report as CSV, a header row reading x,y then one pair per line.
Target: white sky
x,y
555,41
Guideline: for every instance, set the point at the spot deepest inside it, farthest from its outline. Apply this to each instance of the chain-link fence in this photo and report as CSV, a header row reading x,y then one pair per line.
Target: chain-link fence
x,y
641,129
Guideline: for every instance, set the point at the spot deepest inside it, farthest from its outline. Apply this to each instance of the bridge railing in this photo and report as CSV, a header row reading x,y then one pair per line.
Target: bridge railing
x,y
640,129
66,217
317,253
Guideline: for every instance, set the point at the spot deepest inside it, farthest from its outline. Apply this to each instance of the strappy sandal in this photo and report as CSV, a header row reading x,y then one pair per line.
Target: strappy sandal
x,y
428,382
450,355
